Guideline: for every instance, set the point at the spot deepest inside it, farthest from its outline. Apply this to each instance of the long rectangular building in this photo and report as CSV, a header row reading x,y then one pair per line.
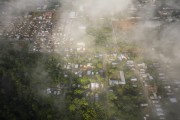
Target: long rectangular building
x,y
118,81
123,81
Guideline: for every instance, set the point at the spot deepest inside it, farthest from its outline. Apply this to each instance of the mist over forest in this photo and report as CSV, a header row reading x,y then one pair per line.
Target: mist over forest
x,y
89,60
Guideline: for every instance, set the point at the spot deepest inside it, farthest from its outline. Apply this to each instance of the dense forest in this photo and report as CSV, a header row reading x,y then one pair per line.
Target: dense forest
x,y
19,94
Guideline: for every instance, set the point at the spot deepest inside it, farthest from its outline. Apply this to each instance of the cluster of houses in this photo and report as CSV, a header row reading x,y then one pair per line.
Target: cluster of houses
x,y
152,90
166,81
20,28
57,90
87,68
42,25
150,82
118,76
34,27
